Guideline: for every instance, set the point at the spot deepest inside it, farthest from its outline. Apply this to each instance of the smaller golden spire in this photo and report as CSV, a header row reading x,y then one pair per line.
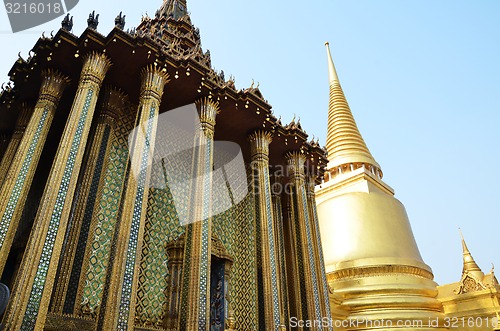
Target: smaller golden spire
x,y
470,265
494,297
494,281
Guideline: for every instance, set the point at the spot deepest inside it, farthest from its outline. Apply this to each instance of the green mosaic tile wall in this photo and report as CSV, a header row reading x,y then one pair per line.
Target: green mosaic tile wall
x,y
105,216
235,228
162,226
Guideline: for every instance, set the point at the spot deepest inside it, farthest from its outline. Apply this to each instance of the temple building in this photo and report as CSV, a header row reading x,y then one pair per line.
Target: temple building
x,y
140,190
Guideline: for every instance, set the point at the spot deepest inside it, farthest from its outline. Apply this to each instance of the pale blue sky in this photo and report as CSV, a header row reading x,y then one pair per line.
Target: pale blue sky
x,y
421,77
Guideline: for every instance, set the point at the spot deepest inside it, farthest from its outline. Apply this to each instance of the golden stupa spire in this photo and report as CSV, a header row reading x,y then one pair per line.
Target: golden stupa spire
x,y
344,142
470,265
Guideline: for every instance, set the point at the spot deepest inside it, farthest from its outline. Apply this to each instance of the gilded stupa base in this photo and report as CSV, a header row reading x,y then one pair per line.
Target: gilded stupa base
x,y
386,297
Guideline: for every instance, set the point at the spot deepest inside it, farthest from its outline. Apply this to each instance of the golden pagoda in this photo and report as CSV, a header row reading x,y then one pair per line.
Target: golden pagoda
x,y
372,261
376,275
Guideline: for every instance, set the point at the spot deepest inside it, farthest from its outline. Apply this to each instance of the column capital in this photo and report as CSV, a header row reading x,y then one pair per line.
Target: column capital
x,y
53,85
276,181
153,80
259,144
95,67
296,161
175,250
115,104
24,114
311,184
208,110
25,110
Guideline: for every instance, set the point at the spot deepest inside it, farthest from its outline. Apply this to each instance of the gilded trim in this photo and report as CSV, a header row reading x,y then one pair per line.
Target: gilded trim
x,y
364,272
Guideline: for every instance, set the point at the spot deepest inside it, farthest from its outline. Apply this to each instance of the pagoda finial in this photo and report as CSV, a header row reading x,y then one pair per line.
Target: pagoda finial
x,y
332,72
173,8
93,20
120,21
67,23
470,265
344,142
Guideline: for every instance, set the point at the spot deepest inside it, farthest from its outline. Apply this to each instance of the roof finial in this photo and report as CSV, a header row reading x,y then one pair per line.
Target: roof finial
x,y
120,21
93,20
464,245
470,265
494,298
174,8
332,72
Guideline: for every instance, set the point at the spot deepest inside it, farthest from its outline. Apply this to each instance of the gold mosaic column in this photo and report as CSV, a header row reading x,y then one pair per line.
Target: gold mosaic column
x,y
8,157
29,304
195,312
280,247
14,191
318,249
118,310
293,258
267,263
114,105
296,161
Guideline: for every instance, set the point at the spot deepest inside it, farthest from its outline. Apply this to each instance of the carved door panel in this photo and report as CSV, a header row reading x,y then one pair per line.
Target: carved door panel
x,y
217,295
